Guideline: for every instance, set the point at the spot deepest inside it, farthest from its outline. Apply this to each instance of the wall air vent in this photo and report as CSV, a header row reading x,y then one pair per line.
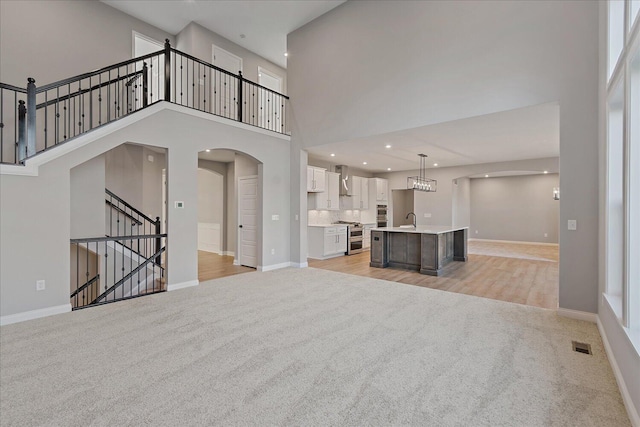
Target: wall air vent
x,y
581,347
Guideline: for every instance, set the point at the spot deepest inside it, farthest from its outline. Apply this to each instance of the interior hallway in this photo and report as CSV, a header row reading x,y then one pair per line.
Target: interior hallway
x,y
513,272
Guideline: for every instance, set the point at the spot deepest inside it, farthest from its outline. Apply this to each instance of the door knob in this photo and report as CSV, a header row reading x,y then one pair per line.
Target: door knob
x,y
240,226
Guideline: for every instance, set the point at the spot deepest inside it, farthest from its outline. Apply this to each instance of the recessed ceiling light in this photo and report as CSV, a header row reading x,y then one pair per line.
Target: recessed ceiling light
x,y
364,163
435,164
387,146
388,169
207,150
546,171
486,176
286,54
333,154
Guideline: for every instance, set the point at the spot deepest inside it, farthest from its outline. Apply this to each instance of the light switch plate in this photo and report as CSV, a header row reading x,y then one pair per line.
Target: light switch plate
x,y
275,217
427,215
40,285
572,224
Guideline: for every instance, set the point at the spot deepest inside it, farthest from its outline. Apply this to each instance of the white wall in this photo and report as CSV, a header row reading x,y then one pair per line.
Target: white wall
x,y
461,202
515,208
48,258
210,197
378,66
54,40
196,40
88,199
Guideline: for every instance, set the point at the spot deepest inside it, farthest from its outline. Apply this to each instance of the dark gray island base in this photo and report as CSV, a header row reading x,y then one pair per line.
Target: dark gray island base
x,y
426,249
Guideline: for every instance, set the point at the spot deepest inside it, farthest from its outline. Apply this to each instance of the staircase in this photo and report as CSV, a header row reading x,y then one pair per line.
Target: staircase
x,y
37,119
126,263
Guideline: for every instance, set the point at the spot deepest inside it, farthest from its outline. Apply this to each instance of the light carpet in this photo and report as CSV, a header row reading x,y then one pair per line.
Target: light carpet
x,y
306,347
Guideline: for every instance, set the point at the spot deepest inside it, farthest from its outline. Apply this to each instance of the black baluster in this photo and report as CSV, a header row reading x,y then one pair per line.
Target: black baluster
x,y
167,70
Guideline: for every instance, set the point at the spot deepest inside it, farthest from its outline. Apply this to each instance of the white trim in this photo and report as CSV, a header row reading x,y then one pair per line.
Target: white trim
x,y
622,386
579,315
144,37
31,166
228,253
34,314
299,264
475,239
273,266
182,285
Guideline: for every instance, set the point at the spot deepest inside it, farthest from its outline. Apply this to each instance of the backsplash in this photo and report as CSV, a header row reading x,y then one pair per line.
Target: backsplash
x,y
330,217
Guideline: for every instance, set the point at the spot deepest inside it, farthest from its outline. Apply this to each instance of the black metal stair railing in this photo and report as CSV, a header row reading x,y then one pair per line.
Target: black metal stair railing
x,y
105,269
35,119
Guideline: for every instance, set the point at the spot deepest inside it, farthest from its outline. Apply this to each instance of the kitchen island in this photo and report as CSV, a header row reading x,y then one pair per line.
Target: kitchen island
x,y
426,249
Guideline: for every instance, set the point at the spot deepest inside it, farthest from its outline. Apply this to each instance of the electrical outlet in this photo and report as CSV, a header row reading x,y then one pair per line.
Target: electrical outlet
x,y
275,217
40,285
572,224
427,215
476,231
273,251
296,217
546,235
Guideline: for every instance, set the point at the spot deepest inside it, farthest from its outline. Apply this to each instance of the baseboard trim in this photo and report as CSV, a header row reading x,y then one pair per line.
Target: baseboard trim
x,y
579,315
182,285
273,266
475,239
34,314
622,386
299,264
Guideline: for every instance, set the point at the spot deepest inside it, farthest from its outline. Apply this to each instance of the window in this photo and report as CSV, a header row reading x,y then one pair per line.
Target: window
x,y
623,165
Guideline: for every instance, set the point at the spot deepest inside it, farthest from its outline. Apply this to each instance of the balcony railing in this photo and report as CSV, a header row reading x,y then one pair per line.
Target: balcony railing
x,y
36,119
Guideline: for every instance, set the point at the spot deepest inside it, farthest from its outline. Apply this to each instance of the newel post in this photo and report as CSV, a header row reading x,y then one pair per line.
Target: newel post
x,y
22,131
31,117
167,70
145,84
240,80
158,241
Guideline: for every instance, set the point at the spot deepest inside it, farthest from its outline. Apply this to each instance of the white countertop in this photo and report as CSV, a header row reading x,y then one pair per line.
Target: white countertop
x,y
326,225
422,229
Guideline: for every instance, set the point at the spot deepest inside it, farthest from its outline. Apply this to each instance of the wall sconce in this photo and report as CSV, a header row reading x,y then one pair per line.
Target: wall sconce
x,y
556,193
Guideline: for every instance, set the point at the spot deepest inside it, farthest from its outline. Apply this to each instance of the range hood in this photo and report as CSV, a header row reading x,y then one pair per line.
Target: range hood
x,y
346,180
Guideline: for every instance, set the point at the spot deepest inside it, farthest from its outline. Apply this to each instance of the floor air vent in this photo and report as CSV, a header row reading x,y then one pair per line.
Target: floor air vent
x,y
581,347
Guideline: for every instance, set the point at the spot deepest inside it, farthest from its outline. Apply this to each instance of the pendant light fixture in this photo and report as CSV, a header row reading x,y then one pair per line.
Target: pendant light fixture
x,y
421,182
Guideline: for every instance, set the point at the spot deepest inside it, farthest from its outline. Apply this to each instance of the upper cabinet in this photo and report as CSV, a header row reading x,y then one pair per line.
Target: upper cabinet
x,y
315,179
359,198
379,188
328,199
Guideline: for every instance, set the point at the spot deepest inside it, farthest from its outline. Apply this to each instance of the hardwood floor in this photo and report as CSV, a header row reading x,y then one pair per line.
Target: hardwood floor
x,y
514,272
213,266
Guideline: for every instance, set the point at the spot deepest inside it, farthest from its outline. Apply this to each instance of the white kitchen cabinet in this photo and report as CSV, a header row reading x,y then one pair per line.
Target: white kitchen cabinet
x,y
359,198
379,188
366,235
328,199
327,241
315,179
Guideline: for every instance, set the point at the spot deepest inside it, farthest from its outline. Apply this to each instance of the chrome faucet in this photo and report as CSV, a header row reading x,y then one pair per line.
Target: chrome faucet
x,y
414,218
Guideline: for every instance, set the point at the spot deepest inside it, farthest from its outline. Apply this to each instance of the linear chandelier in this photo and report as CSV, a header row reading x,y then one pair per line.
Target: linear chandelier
x,y
421,182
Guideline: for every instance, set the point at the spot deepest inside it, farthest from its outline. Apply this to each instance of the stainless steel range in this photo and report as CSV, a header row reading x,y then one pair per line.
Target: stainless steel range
x,y
355,233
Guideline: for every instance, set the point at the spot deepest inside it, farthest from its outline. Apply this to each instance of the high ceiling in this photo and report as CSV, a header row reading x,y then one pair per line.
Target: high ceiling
x,y
525,133
264,23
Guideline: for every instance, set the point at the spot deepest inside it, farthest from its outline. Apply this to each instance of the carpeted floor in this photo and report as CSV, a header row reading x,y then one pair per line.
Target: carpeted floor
x,y
306,347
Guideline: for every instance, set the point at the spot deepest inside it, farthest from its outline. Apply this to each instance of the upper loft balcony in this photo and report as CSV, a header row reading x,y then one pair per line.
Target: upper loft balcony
x,y
37,119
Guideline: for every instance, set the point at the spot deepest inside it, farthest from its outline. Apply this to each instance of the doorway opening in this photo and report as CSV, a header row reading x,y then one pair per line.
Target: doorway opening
x,y
229,214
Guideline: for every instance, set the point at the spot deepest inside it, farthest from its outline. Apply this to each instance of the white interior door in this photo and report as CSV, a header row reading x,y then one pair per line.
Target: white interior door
x,y
248,220
270,112
143,45
225,87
